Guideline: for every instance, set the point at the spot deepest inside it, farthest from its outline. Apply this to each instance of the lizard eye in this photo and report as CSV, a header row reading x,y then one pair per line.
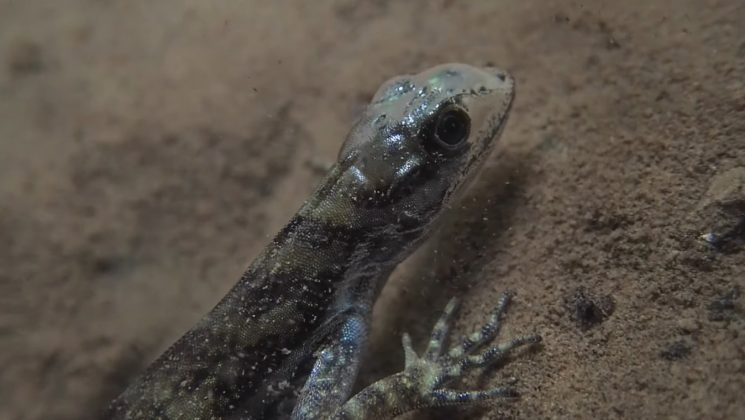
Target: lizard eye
x,y
450,128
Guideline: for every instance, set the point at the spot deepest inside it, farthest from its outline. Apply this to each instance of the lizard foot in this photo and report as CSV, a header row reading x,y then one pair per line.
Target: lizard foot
x,y
421,383
434,369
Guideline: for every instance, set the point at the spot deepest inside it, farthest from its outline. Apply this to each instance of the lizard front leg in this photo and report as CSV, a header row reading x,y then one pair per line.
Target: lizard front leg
x,y
421,383
330,382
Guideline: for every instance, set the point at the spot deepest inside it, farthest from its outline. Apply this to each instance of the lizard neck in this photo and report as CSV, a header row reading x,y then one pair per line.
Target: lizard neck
x,y
340,247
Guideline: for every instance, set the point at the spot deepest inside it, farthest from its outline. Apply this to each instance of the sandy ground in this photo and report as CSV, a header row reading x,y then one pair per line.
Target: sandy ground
x,y
149,149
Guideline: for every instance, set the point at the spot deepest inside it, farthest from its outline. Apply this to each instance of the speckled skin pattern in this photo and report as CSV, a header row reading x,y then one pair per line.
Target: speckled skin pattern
x,y
290,334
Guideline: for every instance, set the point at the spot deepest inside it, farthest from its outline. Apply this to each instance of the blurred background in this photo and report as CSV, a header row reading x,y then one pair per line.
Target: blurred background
x,y
148,150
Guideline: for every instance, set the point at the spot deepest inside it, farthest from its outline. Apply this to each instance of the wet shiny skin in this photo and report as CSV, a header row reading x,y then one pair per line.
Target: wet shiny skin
x,y
307,299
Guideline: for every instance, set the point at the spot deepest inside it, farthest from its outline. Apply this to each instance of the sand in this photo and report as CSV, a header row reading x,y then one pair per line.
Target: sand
x,y
148,150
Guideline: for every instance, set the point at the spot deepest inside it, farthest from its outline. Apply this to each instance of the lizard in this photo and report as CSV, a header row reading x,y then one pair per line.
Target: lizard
x,y
291,333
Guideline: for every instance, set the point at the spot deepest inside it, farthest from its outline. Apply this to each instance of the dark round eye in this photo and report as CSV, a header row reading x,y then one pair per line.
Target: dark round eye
x,y
452,127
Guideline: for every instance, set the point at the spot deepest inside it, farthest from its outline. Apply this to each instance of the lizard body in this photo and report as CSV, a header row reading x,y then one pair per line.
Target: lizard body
x,y
302,309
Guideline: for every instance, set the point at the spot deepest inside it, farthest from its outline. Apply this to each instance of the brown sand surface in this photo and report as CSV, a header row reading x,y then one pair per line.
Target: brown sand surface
x,y
148,150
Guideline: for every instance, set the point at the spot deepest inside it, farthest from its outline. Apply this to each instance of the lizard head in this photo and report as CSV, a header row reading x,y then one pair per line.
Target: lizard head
x,y
423,136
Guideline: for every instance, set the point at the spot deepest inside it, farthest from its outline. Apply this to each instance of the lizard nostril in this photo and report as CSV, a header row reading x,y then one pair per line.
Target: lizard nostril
x,y
496,72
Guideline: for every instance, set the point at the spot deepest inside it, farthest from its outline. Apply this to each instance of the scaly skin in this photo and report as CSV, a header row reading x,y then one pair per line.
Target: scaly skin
x,y
302,309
